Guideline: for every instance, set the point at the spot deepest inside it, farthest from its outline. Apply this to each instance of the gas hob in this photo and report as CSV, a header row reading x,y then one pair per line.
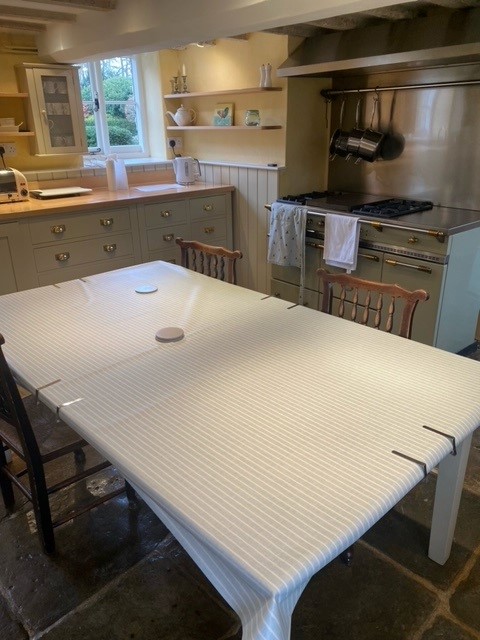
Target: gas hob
x,y
358,204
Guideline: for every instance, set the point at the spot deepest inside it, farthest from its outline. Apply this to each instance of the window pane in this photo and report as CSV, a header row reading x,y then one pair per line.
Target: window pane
x,y
118,88
88,111
122,124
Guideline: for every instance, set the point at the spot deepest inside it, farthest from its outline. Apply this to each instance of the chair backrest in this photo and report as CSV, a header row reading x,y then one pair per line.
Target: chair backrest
x,y
13,413
367,299
216,262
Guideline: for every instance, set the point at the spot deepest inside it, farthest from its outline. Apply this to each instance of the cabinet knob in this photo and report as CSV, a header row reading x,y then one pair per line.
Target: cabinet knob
x,y
58,228
109,248
413,240
168,237
209,229
62,257
166,213
106,222
208,207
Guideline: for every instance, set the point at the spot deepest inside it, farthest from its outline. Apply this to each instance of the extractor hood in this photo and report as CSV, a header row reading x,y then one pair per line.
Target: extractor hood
x,y
442,39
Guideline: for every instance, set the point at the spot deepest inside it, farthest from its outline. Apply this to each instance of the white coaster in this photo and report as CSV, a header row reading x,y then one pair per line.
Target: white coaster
x,y
146,288
169,334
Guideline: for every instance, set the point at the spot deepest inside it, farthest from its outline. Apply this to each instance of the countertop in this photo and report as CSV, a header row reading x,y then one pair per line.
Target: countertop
x,y
99,198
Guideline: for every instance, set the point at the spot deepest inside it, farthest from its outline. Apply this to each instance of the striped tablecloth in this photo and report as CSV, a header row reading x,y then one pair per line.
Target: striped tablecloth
x,y
263,439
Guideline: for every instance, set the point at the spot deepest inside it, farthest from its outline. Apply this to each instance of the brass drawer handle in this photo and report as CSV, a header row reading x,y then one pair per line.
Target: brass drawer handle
x,y
62,257
58,228
368,256
109,248
168,237
166,213
208,207
106,222
209,229
413,240
277,295
417,267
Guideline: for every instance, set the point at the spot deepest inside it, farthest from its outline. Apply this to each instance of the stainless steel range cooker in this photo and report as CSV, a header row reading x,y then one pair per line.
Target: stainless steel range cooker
x,y
391,250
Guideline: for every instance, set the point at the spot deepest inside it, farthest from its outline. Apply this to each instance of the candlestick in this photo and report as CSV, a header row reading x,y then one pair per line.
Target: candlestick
x,y
184,84
184,72
175,88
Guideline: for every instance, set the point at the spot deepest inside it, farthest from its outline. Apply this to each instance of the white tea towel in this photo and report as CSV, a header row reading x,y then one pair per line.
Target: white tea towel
x,y
342,234
286,243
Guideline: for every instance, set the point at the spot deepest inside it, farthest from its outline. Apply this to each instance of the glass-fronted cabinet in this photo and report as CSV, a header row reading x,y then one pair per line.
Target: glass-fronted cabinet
x,y
55,107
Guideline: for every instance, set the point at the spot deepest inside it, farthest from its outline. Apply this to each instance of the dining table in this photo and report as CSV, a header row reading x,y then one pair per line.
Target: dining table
x,y
267,436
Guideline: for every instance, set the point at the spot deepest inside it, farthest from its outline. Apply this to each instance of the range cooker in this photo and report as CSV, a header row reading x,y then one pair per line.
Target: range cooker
x,y
358,204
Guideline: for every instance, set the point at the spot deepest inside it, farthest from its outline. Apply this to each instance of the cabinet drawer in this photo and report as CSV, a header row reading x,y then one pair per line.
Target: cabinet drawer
x,y
290,292
410,240
70,254
82,271
165,237
69,227
292,274
209,231
165,214
209,207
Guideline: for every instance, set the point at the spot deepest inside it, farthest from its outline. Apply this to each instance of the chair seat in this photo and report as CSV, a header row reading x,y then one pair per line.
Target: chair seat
x,y
51,435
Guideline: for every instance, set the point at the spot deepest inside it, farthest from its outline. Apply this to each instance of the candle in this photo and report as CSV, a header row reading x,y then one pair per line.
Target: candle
x,y
184,72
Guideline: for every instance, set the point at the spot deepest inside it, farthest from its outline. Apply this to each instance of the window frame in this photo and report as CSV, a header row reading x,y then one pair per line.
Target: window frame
x,y
140,150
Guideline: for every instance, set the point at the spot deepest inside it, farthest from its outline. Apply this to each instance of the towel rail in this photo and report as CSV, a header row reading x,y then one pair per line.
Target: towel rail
x,y
439,235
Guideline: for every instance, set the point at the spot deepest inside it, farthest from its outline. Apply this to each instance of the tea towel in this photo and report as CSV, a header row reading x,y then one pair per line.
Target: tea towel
x,y
342,234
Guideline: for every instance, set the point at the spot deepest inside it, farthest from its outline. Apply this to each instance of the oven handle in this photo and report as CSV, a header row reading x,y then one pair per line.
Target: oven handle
x,y
367,256
439,235
396,263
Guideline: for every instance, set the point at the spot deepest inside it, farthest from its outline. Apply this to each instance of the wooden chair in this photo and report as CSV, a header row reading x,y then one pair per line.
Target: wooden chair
x,y
36,438
367,299
209,260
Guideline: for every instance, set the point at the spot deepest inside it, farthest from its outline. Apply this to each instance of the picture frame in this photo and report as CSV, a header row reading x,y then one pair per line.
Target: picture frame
x,y
223,114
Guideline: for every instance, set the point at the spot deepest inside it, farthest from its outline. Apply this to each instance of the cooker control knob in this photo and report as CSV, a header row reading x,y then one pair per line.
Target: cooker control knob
x,y
24,192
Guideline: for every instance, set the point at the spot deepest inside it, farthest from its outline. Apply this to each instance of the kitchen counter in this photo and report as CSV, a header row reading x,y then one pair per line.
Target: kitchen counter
x,y
34,207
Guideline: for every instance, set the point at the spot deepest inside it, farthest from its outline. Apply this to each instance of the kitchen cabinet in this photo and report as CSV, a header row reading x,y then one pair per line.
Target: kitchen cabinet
x,y
5,112
184,97
54,109
76,245
17,270
206,219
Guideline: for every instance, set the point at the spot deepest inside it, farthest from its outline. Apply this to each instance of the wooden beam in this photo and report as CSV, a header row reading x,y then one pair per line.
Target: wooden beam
x,y
13,25
96,5
36,14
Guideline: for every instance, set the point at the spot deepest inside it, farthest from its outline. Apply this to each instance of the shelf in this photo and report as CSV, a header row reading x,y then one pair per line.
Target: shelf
x,y
227,92
13,95
17,134
231,128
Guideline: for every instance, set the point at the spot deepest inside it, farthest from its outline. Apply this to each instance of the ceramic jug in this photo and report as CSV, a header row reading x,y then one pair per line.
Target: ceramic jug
x,y
183,117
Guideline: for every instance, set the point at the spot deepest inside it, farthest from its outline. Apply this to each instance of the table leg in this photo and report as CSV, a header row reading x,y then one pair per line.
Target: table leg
x,y
451,473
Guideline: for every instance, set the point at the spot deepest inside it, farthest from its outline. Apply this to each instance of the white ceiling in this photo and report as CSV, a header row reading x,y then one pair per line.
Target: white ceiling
x,y
69,30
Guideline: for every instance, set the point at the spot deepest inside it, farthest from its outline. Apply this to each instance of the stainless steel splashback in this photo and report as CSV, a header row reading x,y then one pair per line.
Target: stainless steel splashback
x,y
441,130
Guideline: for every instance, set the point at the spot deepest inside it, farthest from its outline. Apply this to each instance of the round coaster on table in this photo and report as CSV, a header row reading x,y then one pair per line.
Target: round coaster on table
x,y
169,334
146,288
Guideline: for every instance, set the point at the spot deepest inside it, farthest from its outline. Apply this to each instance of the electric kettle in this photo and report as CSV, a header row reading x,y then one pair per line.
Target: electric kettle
x,y
186,170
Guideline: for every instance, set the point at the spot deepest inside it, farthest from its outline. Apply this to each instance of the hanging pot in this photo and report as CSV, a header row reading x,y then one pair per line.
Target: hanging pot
x,y
338,141
371,141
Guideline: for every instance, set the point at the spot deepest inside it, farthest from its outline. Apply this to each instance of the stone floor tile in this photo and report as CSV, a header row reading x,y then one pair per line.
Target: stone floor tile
x,y
9,628
444,629
91,550
157,599
403,534
371,600
465,602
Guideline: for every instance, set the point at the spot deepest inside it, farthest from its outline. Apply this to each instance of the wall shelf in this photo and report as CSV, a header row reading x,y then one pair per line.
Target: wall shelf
x,y
13,95
227,92
16,134
231,128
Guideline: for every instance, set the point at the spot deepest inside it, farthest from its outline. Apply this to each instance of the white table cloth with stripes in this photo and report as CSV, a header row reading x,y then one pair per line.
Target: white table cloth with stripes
x,y
264,438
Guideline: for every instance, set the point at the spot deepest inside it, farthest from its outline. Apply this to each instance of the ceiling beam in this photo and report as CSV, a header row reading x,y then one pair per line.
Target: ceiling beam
x,y
14,25
35,14
98,5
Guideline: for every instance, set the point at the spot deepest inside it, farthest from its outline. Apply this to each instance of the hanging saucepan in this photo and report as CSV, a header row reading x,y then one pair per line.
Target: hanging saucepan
x,y
394,143
371,142
338,144
355,135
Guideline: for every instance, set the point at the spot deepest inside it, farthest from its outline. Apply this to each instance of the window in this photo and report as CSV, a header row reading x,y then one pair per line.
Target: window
x,y
112,106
